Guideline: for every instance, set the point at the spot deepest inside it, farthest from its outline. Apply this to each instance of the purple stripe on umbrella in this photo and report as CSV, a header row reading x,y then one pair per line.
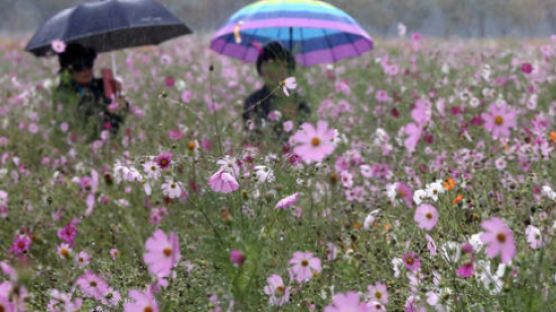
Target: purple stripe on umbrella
x,y
249,54
335,54
294,22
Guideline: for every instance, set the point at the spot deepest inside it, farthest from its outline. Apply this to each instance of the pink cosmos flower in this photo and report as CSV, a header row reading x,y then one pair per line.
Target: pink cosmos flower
x,y
92,285
175,135
431,245
466,270
313,144
142,302
382,96
287,202
279,294
64,251
499,120
289,84
405,193
6,305
114,253
162,254
499,238
288,125
411,261
58,46
347,302
426,216
378,292
303,266
82,259
413,132
237,257
534,237
223,182
21,244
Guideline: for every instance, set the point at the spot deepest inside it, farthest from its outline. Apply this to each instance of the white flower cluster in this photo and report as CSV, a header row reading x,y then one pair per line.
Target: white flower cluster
x,y
432,190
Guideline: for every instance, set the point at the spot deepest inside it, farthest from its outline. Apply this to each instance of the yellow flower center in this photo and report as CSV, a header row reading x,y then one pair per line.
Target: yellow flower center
x,y
378,294
499,120
315,141
501,237
428,215
93,284
304,263
409,260
64,252
191,145
148,309
280,289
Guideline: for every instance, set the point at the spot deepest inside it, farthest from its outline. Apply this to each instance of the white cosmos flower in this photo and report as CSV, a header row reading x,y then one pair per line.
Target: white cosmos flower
x,y
171,189
264,174
434,189
152,170
370,219
419,196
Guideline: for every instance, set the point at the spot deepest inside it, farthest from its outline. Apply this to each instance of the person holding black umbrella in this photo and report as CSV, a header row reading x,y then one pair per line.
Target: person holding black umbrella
x,y
91,110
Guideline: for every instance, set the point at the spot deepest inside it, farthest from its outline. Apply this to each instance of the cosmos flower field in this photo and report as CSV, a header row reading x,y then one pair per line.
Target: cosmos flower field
x,y
425,180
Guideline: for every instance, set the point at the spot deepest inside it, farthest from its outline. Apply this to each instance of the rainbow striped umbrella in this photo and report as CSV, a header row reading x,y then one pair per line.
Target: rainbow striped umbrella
x,y
315,31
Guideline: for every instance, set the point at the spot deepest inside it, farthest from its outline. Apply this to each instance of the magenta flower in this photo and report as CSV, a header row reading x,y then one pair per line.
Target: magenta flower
x,y
164,160
223,182
21,244
237,257
162,254
313,144
303,266
526,68
377,292
287,201
499,238
142,302
466,270
67,234
426,216
347,302
499,120
279,294
411,261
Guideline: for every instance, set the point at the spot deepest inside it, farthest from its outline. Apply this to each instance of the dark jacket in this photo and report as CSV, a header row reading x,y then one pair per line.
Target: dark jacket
x,y
89,108
257,107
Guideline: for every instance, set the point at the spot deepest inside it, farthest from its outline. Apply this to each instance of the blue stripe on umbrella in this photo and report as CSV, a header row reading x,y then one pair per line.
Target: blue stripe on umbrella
x,y
292,14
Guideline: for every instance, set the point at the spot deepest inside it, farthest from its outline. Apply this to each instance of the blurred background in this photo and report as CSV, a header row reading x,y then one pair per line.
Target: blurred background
x,y
440,18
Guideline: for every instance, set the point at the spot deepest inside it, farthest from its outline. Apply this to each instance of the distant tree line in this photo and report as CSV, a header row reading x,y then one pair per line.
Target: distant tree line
x,y
468,18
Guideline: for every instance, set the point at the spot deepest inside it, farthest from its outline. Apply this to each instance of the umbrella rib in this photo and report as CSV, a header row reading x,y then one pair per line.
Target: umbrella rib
x,y
329,45
351,42
302,52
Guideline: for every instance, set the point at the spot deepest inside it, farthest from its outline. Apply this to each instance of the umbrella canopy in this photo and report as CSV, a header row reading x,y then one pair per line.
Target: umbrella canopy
x,y
109,25
315,31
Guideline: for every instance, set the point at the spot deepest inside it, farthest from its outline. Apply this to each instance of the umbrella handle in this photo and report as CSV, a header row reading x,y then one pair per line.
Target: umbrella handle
x,y
114,69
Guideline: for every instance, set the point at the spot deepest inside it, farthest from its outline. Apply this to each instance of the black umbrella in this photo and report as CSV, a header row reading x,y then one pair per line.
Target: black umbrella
x,y
109,25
